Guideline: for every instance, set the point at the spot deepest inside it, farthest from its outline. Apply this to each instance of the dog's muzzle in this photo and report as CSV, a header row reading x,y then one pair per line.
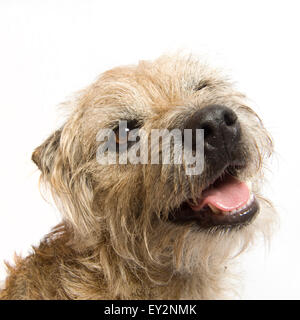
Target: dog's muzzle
x,y
224,200
222,132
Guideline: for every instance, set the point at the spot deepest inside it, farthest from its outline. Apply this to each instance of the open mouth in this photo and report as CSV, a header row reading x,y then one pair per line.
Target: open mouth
x,y
226,202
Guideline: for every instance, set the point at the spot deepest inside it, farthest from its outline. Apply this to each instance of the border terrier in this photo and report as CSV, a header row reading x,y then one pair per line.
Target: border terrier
x,y
144,228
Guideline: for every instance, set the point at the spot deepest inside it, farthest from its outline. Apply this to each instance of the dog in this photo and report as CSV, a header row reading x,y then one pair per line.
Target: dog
x,y
142,230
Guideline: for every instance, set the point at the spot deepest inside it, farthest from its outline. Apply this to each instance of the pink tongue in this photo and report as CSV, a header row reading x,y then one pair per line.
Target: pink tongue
x,y
226,195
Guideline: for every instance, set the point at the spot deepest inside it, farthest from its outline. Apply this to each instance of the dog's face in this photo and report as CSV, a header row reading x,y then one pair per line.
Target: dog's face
x,y
156,213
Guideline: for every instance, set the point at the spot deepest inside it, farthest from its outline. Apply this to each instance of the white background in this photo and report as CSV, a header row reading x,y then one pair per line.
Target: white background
x,y
50,49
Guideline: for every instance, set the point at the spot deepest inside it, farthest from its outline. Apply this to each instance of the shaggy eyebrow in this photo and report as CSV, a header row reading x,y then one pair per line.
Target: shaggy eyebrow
x,y
201,84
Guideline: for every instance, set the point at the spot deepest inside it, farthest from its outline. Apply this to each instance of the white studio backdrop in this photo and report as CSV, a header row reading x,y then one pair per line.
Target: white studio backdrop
x,y
51,49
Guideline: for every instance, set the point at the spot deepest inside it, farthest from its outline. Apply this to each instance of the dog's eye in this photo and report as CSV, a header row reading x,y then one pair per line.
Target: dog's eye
x,y
123,130
201,85
121,138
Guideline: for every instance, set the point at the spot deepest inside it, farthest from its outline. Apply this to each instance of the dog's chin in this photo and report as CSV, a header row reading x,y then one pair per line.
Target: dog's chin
x,y
226,203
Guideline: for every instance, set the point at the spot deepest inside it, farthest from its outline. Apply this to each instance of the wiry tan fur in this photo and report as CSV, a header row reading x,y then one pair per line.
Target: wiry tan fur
x,y
115,241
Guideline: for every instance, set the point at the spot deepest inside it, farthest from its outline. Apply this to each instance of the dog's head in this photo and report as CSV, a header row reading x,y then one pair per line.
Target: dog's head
x,y
159,214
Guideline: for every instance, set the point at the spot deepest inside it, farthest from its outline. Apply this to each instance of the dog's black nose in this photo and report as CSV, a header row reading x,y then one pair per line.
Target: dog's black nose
x,y
222,131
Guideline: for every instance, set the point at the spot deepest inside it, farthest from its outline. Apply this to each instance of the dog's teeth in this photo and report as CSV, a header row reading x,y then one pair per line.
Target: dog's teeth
x,y
214,209
249,185
250,199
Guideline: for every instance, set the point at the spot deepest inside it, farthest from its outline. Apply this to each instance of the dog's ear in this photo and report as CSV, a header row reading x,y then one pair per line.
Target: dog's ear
x,y
44,155
64,174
